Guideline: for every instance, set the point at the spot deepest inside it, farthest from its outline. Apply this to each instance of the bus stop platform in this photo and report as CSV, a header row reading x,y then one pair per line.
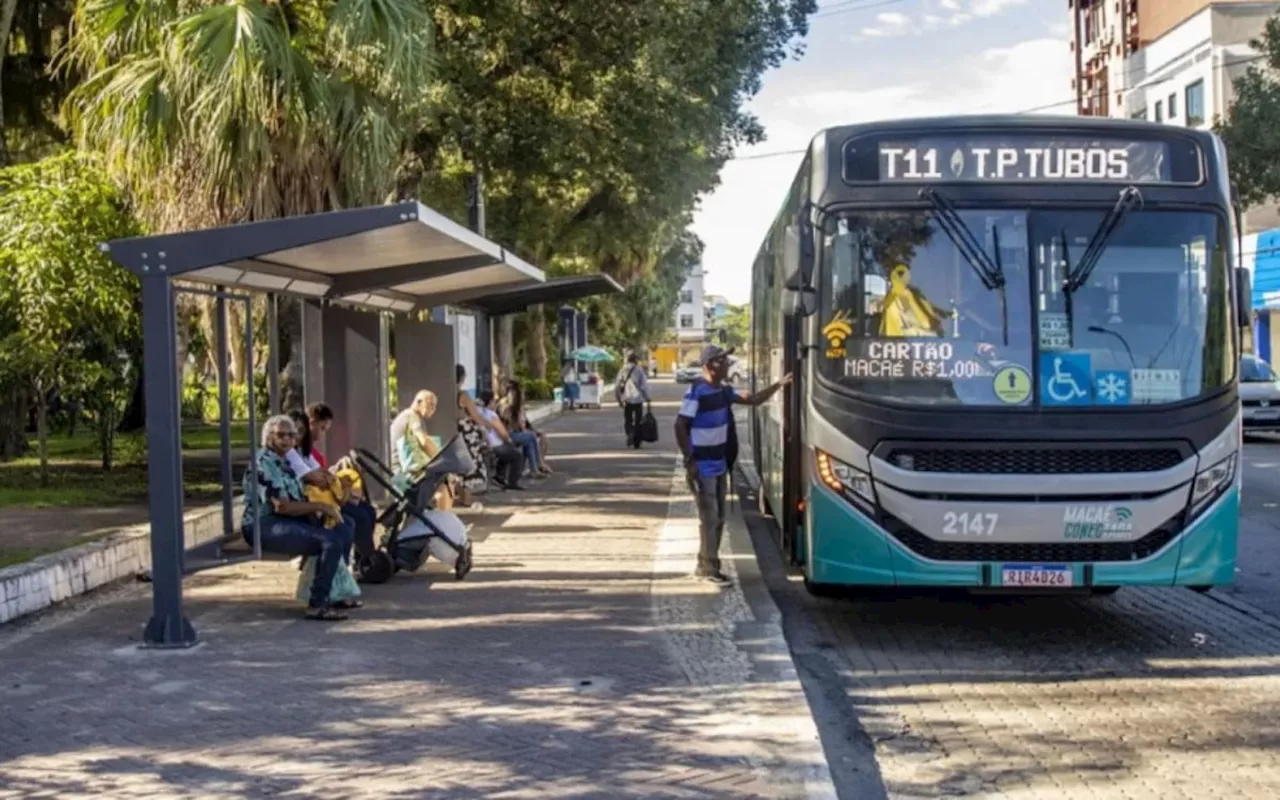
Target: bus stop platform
x,y
578,659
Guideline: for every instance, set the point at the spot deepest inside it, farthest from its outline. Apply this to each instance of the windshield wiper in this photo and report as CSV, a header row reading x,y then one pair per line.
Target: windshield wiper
x,y
990,273
1129,198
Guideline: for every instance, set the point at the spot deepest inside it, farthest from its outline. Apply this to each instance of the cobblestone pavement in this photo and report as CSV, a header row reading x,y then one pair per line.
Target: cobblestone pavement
x,y
577,660
1146,694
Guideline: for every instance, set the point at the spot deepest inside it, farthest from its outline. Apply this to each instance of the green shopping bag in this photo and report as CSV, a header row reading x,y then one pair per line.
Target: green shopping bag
x,y
344,583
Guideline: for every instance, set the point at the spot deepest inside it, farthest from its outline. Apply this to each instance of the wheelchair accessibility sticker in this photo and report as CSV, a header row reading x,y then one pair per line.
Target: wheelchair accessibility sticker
x,y
1066,379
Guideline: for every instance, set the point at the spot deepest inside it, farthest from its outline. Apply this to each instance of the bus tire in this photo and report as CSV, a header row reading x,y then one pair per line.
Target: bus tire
x,y
1201,589
1103,591
827,590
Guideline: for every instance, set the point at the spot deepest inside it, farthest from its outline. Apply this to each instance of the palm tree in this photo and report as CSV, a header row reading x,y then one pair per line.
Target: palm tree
x,y
221,111
217,112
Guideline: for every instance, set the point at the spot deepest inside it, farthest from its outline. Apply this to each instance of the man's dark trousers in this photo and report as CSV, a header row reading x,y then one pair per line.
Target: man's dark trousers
x,y
632,414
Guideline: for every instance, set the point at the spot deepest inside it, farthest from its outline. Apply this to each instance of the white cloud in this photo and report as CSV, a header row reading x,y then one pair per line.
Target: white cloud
x,y
874,32
733,220
932,20
987,8
960,19
949,5
894,19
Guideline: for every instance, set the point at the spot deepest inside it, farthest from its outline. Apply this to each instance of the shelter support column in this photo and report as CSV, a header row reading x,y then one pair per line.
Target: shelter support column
x,y
273,353
168,626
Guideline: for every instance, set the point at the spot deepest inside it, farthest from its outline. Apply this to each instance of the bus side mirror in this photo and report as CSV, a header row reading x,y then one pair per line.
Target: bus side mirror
x,y
797,255
1244,297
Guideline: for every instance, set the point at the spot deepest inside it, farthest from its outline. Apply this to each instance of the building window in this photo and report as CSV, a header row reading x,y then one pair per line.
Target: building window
x,y
686,295
686,321
1195,104
1173,105
1159,111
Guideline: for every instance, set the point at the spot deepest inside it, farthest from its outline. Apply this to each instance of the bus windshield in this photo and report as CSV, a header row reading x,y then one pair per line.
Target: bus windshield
x,y
908,314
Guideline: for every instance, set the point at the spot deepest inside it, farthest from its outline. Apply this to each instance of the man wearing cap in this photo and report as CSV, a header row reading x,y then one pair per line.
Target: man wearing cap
x,y
707,439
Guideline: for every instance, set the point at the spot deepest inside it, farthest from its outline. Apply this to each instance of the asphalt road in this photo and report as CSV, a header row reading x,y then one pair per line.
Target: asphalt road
x,y
1149,693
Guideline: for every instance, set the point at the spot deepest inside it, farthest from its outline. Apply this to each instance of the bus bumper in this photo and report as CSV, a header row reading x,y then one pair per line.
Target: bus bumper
x,y
844,547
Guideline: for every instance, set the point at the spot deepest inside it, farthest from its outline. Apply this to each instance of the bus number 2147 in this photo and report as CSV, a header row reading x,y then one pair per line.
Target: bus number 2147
x,y
969,523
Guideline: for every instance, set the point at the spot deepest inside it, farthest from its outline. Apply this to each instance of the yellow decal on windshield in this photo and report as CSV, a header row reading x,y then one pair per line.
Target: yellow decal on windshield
x,y
1012,385
836,331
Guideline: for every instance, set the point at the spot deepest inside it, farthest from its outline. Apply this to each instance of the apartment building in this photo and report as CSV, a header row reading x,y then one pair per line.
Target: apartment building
x,y
1103,34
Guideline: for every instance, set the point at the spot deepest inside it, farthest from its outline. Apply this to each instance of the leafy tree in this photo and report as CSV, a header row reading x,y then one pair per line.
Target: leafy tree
x,y
66,310
1250,129
737,326
595,131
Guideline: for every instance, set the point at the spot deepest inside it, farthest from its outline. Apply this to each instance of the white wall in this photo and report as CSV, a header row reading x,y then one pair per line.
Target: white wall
x,y
1205,47
694,285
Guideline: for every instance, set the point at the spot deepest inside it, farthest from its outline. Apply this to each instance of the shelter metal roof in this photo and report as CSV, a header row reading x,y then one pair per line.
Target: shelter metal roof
x,y
554,291
395,257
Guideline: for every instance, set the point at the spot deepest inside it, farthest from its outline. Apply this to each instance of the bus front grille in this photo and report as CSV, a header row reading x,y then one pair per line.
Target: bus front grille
x,y
1034,460
1036,552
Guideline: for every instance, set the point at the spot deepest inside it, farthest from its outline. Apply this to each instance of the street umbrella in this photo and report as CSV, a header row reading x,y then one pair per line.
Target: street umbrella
x,y
592,354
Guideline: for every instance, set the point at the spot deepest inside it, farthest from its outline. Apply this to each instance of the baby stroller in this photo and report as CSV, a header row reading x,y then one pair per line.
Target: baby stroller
x,y
413,533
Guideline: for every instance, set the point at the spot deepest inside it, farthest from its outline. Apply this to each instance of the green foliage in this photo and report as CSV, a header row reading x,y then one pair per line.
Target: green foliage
x,y
1251,129
248,109
737,326
68,314
537,389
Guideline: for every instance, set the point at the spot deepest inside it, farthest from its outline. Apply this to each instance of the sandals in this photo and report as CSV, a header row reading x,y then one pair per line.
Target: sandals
x,y
325,614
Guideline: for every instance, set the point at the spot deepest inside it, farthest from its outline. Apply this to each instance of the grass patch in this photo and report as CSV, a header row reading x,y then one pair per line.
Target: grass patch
x,y
21,555
81,484
131,447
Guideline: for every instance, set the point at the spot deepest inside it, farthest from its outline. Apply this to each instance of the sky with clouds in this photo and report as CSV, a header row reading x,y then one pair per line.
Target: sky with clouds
x,y
870,60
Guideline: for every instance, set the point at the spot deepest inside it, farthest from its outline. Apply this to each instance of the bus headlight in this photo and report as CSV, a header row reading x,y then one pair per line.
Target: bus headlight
x,y
849,482
1210,483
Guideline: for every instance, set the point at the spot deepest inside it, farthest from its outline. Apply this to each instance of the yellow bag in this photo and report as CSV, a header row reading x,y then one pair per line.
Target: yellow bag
x,y
321,494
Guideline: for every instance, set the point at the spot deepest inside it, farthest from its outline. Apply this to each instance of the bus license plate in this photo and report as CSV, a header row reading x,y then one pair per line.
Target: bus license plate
x,y
1046,575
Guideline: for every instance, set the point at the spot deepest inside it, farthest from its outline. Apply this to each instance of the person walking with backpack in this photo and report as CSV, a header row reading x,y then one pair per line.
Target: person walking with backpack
x,y
632,392
708,440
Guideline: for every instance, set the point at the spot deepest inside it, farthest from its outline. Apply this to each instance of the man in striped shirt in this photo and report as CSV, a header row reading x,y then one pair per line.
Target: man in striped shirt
x,y
707,438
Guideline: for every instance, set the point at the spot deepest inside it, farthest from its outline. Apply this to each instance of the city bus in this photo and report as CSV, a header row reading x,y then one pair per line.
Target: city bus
x,y
1014,343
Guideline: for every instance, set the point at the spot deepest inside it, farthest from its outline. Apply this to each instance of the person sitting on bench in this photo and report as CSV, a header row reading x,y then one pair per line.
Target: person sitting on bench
x,y
308,470
508,454
288,524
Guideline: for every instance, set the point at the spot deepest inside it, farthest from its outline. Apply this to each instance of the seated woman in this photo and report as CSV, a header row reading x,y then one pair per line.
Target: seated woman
x,y
287,523
472,426
533,443
308,471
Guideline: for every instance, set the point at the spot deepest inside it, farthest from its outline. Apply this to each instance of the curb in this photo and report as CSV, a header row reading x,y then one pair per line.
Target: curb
x,y
37,584
731,646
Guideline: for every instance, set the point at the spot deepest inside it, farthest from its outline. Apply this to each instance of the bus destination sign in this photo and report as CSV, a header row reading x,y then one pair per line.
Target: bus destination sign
x,y
1024,160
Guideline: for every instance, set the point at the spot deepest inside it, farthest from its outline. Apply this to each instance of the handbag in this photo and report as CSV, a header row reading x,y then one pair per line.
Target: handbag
x,y
648,432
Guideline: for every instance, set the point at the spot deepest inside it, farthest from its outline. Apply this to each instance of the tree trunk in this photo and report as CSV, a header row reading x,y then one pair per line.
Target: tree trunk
x,y
506,336
236,341
42,432
291,375
537,344
14,412
7,7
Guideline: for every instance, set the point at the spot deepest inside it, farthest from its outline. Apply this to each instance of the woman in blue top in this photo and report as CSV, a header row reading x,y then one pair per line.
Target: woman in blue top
x,y
290,525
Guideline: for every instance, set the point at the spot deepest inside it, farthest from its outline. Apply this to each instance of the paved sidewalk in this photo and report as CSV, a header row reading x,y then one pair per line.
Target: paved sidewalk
x,y
577,660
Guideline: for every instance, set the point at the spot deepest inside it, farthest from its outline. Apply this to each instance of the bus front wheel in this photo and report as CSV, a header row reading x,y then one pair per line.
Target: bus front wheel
x,y
1104,590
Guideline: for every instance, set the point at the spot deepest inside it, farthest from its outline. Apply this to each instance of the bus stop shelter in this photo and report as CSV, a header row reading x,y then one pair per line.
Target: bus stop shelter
x,y
395,258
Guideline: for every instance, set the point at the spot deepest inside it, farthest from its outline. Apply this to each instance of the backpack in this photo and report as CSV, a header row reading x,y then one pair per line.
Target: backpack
x,y
619,391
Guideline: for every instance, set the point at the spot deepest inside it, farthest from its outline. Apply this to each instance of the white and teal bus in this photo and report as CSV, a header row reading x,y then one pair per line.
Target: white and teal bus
x,y
1014,342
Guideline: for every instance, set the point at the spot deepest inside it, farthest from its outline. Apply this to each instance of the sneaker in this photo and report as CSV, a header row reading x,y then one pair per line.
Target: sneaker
x,y
717,578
